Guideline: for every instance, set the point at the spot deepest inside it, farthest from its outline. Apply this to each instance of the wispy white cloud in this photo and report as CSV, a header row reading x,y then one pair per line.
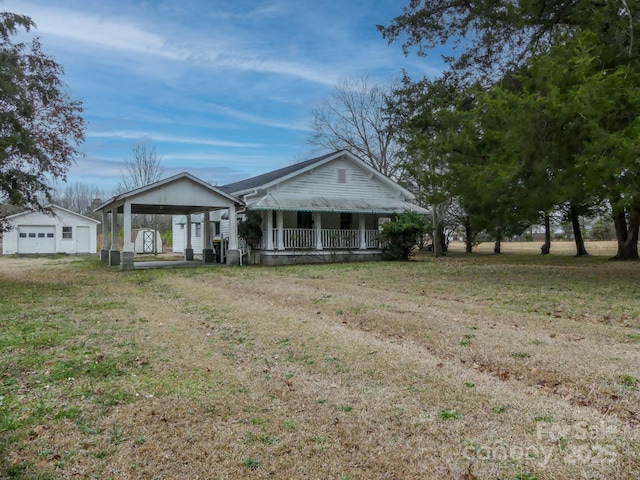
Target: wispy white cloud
x,y
259,120
110,33
161,137
208,49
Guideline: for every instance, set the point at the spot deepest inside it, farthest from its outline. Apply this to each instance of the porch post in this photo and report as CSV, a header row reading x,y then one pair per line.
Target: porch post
x,y
362,231
317,223
104,251
114,253
207,250
280,227
188,250
233,254
128,247
269,232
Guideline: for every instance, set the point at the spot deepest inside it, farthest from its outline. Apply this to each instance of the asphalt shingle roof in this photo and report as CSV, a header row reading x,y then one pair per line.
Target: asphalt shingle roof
x,y
268,177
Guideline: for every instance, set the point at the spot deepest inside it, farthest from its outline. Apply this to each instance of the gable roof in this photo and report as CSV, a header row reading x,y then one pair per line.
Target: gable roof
x,y
52,206
276,176
269,177
120,198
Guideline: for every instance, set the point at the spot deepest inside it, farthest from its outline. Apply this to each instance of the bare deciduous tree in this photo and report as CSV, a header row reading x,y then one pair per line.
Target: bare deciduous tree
x,y
79,197
353,118
142,168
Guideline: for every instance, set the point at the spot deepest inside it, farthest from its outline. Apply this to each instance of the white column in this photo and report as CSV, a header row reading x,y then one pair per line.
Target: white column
x,y
128,244
269,232
188,236
114,229
362,231
317,223
206,236
105,229
280,227
233,228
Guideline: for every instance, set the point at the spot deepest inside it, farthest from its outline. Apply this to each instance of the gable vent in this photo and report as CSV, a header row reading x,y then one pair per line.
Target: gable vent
x,y
342,175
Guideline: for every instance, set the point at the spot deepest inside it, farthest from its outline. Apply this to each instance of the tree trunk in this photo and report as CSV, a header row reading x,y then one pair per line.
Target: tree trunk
x,y
439,242
437,245
627,235
468,236
497,245
577,233
443,239
546,248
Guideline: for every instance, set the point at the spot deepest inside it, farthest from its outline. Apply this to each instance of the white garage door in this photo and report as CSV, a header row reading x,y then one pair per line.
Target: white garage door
x,y
36,239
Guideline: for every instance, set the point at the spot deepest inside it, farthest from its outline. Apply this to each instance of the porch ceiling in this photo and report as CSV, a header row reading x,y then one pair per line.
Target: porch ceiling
x,y
332,204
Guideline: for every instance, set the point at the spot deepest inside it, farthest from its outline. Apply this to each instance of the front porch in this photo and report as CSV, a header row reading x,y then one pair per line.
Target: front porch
x,y
317,237
323,239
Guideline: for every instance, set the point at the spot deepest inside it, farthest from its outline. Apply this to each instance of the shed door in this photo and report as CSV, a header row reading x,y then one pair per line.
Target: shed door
x,y
148,239
36,239
83,244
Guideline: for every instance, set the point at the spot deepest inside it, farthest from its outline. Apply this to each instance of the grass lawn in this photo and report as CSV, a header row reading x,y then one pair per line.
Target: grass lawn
x,y
479,366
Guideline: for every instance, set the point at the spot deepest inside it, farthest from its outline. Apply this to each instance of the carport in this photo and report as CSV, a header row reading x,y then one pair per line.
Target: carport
x,y
182,194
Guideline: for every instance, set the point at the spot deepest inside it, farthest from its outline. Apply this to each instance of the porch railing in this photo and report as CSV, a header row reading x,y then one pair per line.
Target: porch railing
x,y
332,239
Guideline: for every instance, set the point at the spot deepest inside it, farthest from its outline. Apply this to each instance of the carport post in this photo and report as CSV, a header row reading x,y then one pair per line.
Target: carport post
x,y
104,251
114,253
233,254
207,251
188,251
128,249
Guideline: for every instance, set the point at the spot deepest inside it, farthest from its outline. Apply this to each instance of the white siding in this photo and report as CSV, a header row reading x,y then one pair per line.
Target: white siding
x,y
62,219
323,181
177,236
180,236
10,242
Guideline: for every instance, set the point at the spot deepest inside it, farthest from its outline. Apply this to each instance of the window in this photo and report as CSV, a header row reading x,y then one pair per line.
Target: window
x,y
198,230
67,233
216,228
41,235
345,221
32,235
342,175
49,235
305,220
23,235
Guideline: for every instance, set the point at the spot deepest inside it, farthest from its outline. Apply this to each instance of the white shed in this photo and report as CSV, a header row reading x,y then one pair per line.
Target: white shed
x,y
144,240
38,233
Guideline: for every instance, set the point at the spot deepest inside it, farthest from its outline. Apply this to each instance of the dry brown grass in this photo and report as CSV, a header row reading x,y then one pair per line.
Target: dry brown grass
x,y
600,249
465,367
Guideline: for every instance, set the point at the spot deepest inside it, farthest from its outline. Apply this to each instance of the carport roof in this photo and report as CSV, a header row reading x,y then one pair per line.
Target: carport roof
x,y
169,197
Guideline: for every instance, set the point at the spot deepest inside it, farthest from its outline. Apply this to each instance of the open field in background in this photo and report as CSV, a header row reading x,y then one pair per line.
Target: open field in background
x,y
606,249
516,366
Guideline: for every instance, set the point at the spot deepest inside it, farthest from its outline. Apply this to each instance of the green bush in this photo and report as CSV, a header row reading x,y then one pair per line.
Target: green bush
x,y
400,237
251,229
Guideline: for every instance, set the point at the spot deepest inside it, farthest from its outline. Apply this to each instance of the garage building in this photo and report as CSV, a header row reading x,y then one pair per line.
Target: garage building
x,y
62,232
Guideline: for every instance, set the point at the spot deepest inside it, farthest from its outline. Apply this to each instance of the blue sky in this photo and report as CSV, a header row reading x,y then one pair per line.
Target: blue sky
x,y
222,89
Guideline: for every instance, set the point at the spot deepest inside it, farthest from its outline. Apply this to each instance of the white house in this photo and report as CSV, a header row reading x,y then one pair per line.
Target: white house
x,y
63,231
219,225
325,209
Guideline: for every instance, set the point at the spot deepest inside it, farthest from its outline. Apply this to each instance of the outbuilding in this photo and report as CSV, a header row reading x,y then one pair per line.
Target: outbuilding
x,y
146,240
61,231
